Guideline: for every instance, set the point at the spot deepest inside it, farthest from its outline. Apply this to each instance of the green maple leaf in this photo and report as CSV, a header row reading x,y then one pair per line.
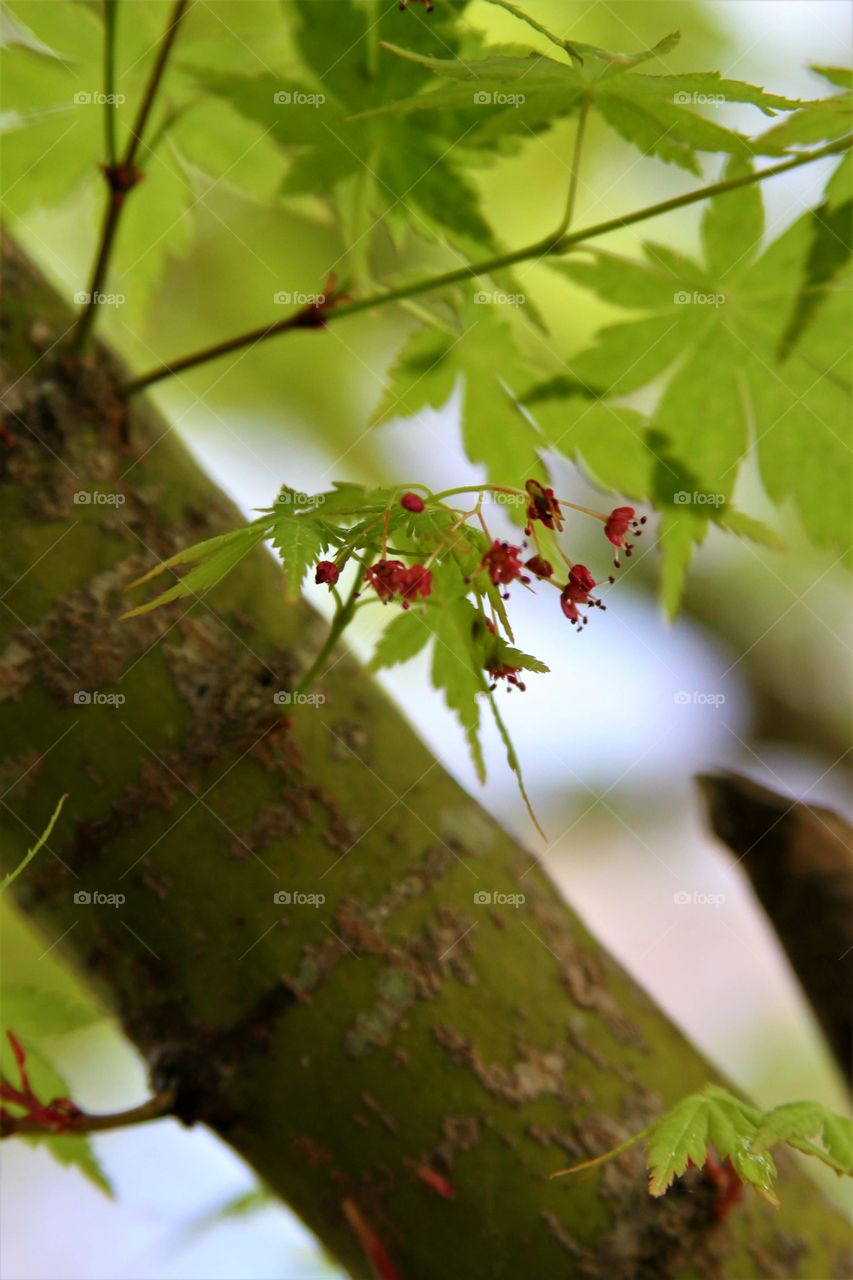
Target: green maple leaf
x,y
52,126
829,252
499,94
41,1011
818,121
403,638
811,1128
300,542
456,672
716,1119
482,360
409,178
681,1136
212,560
721,329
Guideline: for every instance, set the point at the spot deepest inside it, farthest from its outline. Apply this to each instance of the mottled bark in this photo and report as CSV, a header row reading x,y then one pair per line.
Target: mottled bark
x,y
352,1051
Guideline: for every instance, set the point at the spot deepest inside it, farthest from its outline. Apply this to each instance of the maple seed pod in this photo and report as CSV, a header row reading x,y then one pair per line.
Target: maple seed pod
x,y
412,502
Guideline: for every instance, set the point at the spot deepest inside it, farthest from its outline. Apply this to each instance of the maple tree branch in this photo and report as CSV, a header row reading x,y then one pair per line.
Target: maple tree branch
x,y
550,246
122,176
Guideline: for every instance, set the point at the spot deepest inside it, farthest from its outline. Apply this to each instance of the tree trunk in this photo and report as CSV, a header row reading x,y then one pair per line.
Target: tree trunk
x,y
400,1057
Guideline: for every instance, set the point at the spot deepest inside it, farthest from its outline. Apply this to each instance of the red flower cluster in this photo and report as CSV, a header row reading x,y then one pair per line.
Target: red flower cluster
x,y
391,578
326,571
577,591
618,525
543,506
503,562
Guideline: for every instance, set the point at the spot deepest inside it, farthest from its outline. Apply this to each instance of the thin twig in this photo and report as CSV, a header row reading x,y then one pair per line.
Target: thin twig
x,y
126,167
541,249
156,1107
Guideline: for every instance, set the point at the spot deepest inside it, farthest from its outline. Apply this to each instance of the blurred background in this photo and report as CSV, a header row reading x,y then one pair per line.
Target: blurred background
x,y
754,676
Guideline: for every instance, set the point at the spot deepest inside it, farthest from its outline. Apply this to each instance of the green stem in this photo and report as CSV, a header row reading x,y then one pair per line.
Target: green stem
x,y
109,228
157,1106
575,170
31,853
541,249
110,15
342,618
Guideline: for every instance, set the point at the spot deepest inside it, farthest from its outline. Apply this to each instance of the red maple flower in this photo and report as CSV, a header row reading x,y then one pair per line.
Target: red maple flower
x,y
621,522
543,506
392,578
412,502
326,571
577,591
384,577
413,582
569,607
580,583
510,674
539,566
503,563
